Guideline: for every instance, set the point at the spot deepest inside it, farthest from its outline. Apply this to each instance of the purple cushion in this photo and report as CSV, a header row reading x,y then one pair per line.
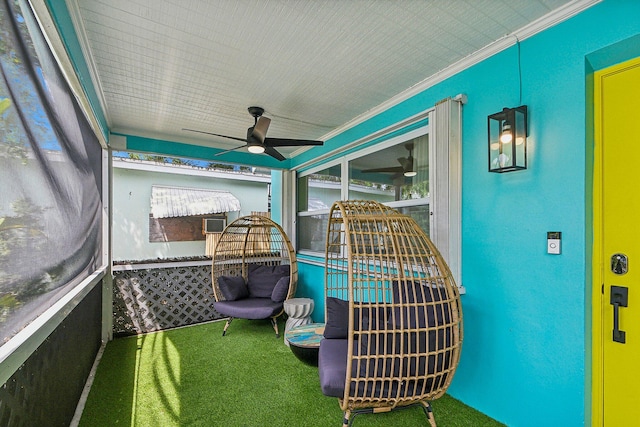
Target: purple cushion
x,y
262,279
332,371
332,366
337,322
281,290
402,343
249,308
233,287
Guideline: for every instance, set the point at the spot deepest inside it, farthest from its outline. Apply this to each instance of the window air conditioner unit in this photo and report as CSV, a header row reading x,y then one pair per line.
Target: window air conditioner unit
x,y
214,225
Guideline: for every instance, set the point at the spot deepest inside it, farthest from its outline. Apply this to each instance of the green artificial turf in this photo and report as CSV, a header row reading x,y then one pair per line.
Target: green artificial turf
x,y
195,377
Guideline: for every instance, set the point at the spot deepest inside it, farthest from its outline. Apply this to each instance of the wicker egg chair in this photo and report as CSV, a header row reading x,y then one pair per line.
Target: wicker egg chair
x,y
391,291
252,255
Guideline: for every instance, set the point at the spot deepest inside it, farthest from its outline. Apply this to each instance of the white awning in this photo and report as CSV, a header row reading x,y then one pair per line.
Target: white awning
x,y
170,202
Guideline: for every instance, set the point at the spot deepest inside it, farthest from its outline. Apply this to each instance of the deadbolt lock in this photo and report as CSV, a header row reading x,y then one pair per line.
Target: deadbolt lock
x,y
619,264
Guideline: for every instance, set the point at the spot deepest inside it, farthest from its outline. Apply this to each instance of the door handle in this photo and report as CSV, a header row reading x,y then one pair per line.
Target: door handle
x,y
619,298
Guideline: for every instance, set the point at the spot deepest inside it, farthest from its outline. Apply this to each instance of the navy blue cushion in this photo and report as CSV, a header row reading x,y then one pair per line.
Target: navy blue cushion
x,y
233,287
370,317
332,366
337,321
402,342
433,320
261,279
249,308
281,290
332,371
436,312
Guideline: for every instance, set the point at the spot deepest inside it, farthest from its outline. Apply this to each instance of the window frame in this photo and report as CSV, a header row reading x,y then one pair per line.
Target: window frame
x,y
307,213
443,122
344,160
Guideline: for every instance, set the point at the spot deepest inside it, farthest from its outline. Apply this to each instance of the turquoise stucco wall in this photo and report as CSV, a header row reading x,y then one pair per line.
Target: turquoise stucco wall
x,y
276,196
525,355
311,284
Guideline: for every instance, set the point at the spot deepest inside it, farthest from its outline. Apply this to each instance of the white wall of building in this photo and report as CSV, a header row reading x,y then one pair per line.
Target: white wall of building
x,y
132,181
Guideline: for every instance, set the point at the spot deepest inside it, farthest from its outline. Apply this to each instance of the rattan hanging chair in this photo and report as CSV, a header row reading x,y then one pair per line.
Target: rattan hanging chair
x,y
254,270
390,290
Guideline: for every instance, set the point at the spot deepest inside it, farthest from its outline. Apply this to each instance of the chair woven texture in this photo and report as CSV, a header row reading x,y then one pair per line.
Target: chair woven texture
x,y
405,316
248,241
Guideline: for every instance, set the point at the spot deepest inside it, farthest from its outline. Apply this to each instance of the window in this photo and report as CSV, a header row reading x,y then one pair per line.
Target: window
x,y
316,193
416,170
397,175
394,172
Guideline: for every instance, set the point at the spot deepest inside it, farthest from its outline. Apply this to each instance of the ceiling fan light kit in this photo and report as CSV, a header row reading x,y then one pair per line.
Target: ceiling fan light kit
x,y
257,141
255,149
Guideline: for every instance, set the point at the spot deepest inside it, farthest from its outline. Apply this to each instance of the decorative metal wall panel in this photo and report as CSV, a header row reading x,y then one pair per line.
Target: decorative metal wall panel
x,y
153,299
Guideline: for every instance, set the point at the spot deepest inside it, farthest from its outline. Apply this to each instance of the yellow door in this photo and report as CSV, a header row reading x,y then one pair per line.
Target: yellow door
x,y
617,249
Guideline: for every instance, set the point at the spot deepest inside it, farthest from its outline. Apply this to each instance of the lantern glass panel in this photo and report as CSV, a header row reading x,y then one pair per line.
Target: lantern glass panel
x,y
507,140
520,137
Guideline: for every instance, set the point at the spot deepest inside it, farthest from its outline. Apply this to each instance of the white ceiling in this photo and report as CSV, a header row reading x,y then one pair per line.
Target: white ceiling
x,y
314,66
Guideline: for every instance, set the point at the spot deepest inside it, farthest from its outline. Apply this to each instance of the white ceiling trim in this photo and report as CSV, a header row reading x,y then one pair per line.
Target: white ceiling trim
x,y
559,15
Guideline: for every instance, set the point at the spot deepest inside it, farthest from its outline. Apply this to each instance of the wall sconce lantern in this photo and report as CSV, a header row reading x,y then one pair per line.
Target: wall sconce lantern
x,y
508,140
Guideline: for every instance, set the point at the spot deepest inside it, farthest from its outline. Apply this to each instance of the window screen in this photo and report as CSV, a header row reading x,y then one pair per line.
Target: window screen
x,y
50,173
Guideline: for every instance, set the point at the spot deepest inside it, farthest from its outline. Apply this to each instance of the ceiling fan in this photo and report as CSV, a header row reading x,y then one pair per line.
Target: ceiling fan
x,y
406,165
256,140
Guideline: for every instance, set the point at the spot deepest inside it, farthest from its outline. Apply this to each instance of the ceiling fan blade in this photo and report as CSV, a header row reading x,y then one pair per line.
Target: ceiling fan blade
x,y
231,149
257,137
260,128
391,169
215,134
284,142
274,153
406,164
